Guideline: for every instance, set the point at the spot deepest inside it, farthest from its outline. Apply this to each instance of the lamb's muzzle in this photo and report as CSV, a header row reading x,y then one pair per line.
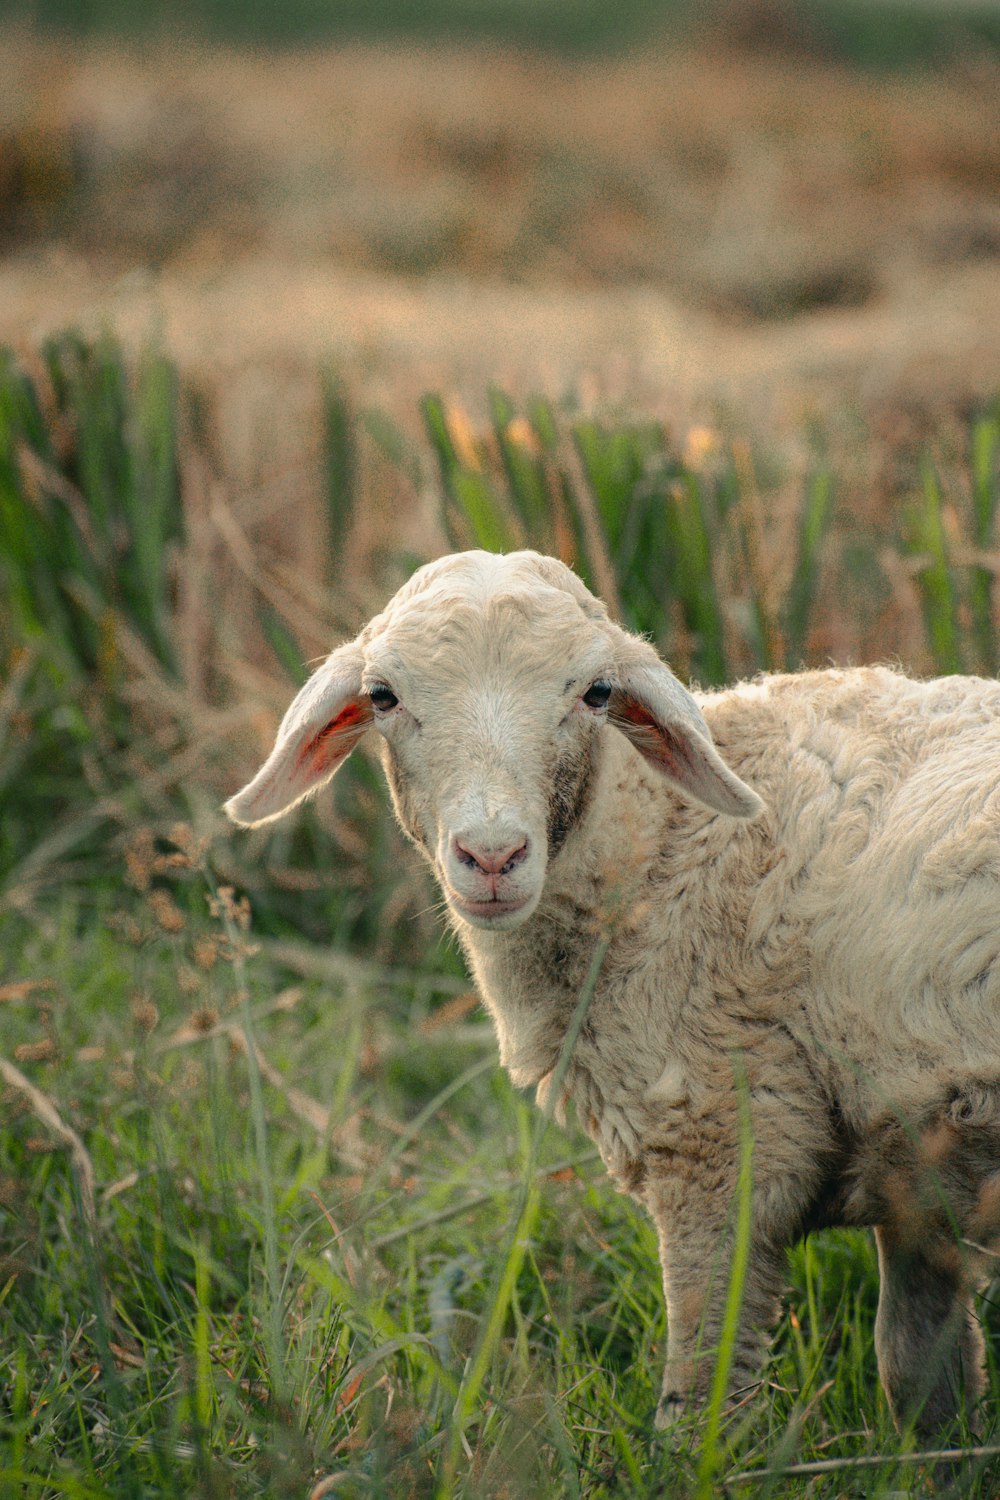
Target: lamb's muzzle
x,y
483,877
798,879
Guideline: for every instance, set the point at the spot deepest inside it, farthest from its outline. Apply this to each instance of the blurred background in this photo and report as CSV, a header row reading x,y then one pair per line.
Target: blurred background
x,y
716,286
769,203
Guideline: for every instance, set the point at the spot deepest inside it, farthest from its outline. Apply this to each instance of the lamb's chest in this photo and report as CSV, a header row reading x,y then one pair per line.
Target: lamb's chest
x,y
626,1115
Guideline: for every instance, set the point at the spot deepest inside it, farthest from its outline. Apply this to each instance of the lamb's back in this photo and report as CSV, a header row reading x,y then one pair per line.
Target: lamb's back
x,y
884,883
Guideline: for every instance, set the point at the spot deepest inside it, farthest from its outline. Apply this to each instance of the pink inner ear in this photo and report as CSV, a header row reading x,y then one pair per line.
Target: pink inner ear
x,y
648,735
635,713
322,752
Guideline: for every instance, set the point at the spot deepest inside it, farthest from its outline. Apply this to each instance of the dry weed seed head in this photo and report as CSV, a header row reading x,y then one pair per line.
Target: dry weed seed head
x,y
189,1078
126,926
233,950
166,911
189,846
189,981
205,952
43,1051
144,1013
140,858
11,1192
177,860
143,859
226,906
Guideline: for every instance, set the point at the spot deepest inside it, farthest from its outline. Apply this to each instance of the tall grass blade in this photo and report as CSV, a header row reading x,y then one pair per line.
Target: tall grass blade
x,y
284,645
203,1392
475,499
746,515
340,468
473,514
925,537
614,471
37,539
526,482
612,465
106,516
984,455
152,510
583,543
814,523
151,506
694,580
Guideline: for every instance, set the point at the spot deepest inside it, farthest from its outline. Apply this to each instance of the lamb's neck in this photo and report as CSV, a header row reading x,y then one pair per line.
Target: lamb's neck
x,y
531,978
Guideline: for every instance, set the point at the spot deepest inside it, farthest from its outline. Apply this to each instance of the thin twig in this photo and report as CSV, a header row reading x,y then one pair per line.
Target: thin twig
x,y
288,603
345,1137
303,1105
189,1035
46,1111
980,1249
45,476
348,969
455,1210
863,1461
334,1482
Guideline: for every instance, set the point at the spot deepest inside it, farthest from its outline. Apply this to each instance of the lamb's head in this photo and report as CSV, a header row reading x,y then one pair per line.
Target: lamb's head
x,y
491,680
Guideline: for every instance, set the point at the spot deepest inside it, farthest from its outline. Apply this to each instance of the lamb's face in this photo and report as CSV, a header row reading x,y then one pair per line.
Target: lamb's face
x,y
492,681
491,707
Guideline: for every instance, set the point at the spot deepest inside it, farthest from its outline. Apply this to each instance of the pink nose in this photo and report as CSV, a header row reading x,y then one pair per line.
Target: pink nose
x,y
490,860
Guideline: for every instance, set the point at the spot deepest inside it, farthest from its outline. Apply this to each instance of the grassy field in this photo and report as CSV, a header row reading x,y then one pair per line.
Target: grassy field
x,y
303,1228
271,1220
312,1231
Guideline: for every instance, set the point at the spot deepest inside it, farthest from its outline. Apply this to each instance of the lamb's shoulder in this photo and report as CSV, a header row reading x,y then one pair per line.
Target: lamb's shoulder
x,y
799,734
881,801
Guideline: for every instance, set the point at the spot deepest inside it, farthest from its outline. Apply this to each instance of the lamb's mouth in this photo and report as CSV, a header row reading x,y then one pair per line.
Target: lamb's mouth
x,y
485,912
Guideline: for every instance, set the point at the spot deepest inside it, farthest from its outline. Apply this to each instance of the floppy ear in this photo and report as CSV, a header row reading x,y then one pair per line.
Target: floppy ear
x,y
319,731
665,725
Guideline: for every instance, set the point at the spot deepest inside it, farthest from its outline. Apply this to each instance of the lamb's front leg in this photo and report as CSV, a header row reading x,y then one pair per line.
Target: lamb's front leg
x,y
694,1222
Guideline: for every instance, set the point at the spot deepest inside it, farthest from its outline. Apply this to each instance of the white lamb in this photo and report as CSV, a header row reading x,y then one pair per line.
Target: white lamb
x,y
826,945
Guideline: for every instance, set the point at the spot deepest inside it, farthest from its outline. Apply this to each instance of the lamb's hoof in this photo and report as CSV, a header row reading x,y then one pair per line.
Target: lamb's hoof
x,y
669,1412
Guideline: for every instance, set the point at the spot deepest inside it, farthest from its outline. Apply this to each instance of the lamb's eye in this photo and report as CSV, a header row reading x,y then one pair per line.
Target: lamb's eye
x,y
598,694
382,698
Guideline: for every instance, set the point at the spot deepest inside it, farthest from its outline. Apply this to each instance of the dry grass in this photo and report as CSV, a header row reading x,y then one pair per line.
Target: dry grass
x,y
729,177
672,230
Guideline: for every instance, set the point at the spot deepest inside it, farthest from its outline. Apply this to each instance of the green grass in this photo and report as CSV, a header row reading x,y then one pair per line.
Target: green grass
x,y
270,1214
436,1293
